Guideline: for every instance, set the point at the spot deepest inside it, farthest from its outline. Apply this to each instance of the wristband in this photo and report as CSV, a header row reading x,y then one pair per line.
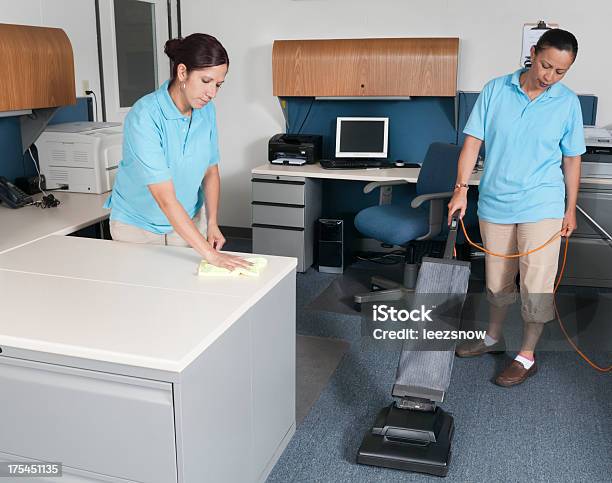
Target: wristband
x,y
461,185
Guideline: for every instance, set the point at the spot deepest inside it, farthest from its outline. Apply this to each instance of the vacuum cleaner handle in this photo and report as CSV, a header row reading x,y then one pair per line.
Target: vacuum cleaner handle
x,y
452,236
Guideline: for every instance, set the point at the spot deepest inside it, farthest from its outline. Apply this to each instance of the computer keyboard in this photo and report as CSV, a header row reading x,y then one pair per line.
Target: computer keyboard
x,y
352,163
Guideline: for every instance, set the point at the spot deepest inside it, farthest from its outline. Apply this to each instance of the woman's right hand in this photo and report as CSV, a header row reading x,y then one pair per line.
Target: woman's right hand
x,y
457,202
224,260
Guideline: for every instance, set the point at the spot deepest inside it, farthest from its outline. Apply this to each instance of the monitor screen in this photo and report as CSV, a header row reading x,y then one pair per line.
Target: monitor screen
x,y
362,137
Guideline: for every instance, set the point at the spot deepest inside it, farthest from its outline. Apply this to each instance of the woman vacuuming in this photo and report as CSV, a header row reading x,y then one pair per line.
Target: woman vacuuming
x,y
532,128
167,186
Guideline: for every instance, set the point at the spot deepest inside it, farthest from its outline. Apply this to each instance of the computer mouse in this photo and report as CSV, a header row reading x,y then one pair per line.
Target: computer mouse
x,y
400,163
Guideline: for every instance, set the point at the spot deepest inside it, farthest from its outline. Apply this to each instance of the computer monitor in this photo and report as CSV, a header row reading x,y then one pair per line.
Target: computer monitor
x,y
362,137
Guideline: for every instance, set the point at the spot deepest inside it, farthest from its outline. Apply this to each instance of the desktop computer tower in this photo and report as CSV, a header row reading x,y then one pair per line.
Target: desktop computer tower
x,y
333,246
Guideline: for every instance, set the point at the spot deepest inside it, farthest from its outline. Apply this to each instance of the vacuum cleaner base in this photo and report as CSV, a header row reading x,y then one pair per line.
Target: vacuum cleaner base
x,y
409,440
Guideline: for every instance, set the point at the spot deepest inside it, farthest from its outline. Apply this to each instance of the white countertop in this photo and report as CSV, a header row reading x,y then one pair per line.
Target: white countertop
x,y
24,225
315,171
140,305
410,175
172,268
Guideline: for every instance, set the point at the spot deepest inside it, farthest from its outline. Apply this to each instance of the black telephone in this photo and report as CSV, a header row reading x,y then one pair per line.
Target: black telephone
x,y
11,195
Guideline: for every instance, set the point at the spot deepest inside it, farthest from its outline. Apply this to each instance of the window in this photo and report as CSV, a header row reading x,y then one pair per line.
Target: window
x,y
132,38
135,43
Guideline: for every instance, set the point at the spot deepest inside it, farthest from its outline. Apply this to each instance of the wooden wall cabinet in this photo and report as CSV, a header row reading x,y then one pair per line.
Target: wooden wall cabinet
x,y
36,68
365,67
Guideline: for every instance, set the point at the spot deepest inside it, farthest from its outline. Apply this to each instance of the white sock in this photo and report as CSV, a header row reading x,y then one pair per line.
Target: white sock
x,y
526,362
489,341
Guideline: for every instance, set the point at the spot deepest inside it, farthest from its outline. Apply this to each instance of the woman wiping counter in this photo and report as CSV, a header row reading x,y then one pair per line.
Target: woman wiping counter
x,y
169,171
532,128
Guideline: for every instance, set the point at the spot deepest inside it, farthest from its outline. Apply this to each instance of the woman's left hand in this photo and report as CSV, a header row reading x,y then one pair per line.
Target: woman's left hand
x,y
569,223
215,237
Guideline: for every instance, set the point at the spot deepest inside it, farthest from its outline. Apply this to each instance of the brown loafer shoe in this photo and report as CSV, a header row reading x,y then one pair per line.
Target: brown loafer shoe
x,y
478,348
515,374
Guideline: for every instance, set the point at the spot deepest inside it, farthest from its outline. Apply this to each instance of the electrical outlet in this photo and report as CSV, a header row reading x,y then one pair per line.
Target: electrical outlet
x,y
85,85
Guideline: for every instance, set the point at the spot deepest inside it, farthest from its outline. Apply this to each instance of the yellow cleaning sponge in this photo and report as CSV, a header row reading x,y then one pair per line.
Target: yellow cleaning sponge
x,y
207,270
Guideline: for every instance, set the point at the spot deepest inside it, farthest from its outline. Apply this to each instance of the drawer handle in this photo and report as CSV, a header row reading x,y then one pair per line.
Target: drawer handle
x,y
277,181
277,227
267,203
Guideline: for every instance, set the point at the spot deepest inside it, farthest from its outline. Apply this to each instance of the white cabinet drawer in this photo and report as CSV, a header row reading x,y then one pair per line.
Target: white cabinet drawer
x,y
104,423
284,243
285,192
289,216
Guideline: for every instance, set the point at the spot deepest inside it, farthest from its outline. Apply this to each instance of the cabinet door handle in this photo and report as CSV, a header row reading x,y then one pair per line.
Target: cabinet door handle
x,y
277,181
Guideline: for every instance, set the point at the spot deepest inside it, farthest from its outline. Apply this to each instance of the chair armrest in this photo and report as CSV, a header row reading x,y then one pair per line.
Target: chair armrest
x,y
377,184
419,200
436,211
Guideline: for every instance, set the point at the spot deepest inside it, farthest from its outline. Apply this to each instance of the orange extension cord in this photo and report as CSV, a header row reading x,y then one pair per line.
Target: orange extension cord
x,y
516,255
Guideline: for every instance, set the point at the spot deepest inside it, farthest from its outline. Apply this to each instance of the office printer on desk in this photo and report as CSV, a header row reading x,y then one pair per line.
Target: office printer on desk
x,y
82,156
297,149
597,161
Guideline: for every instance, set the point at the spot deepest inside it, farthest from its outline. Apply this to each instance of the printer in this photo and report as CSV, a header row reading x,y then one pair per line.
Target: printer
x,y
597,161
296,149
82,157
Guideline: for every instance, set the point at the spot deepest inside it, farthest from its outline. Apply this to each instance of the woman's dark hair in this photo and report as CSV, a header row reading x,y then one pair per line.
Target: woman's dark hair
x,y
560,40
196,51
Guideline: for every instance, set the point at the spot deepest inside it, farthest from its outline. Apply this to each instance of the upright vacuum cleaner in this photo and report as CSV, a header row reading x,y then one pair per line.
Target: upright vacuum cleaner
x,y
413,433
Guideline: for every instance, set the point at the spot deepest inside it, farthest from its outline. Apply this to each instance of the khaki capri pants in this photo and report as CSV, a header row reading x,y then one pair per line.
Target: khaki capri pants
x,y
124,232
537,270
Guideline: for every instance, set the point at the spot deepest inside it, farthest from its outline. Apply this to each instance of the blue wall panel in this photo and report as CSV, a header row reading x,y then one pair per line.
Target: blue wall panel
x,y
413,124
12,163
81,111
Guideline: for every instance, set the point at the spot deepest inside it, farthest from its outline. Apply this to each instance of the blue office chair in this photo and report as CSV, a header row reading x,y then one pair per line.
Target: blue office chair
x,y
424,219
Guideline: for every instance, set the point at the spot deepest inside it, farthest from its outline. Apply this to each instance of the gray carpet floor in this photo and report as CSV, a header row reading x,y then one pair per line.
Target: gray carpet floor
x,y
555,427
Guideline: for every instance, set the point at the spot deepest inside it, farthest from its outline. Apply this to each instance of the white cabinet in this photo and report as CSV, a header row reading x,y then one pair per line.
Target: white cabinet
x,y
141,371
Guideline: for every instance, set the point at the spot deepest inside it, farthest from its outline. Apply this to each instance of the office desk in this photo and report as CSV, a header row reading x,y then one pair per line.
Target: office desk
x,y
30,223
286,202
120,362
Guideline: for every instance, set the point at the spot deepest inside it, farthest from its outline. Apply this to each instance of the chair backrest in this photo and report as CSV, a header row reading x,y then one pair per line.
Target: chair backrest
x,y
439,169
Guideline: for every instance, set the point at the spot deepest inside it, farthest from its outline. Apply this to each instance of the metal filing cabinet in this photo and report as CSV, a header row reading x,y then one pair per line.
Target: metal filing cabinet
x,y
285,210
589,255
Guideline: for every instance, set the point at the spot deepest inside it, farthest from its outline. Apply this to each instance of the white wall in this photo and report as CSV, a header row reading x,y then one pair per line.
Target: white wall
x,y
76,17
490,45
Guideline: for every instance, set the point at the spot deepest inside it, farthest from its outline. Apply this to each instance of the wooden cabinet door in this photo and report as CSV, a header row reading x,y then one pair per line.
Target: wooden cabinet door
x,y
365,67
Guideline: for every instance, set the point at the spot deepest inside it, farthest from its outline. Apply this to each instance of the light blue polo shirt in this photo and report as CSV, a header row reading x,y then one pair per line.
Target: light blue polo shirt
x,y
160,144
525,140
